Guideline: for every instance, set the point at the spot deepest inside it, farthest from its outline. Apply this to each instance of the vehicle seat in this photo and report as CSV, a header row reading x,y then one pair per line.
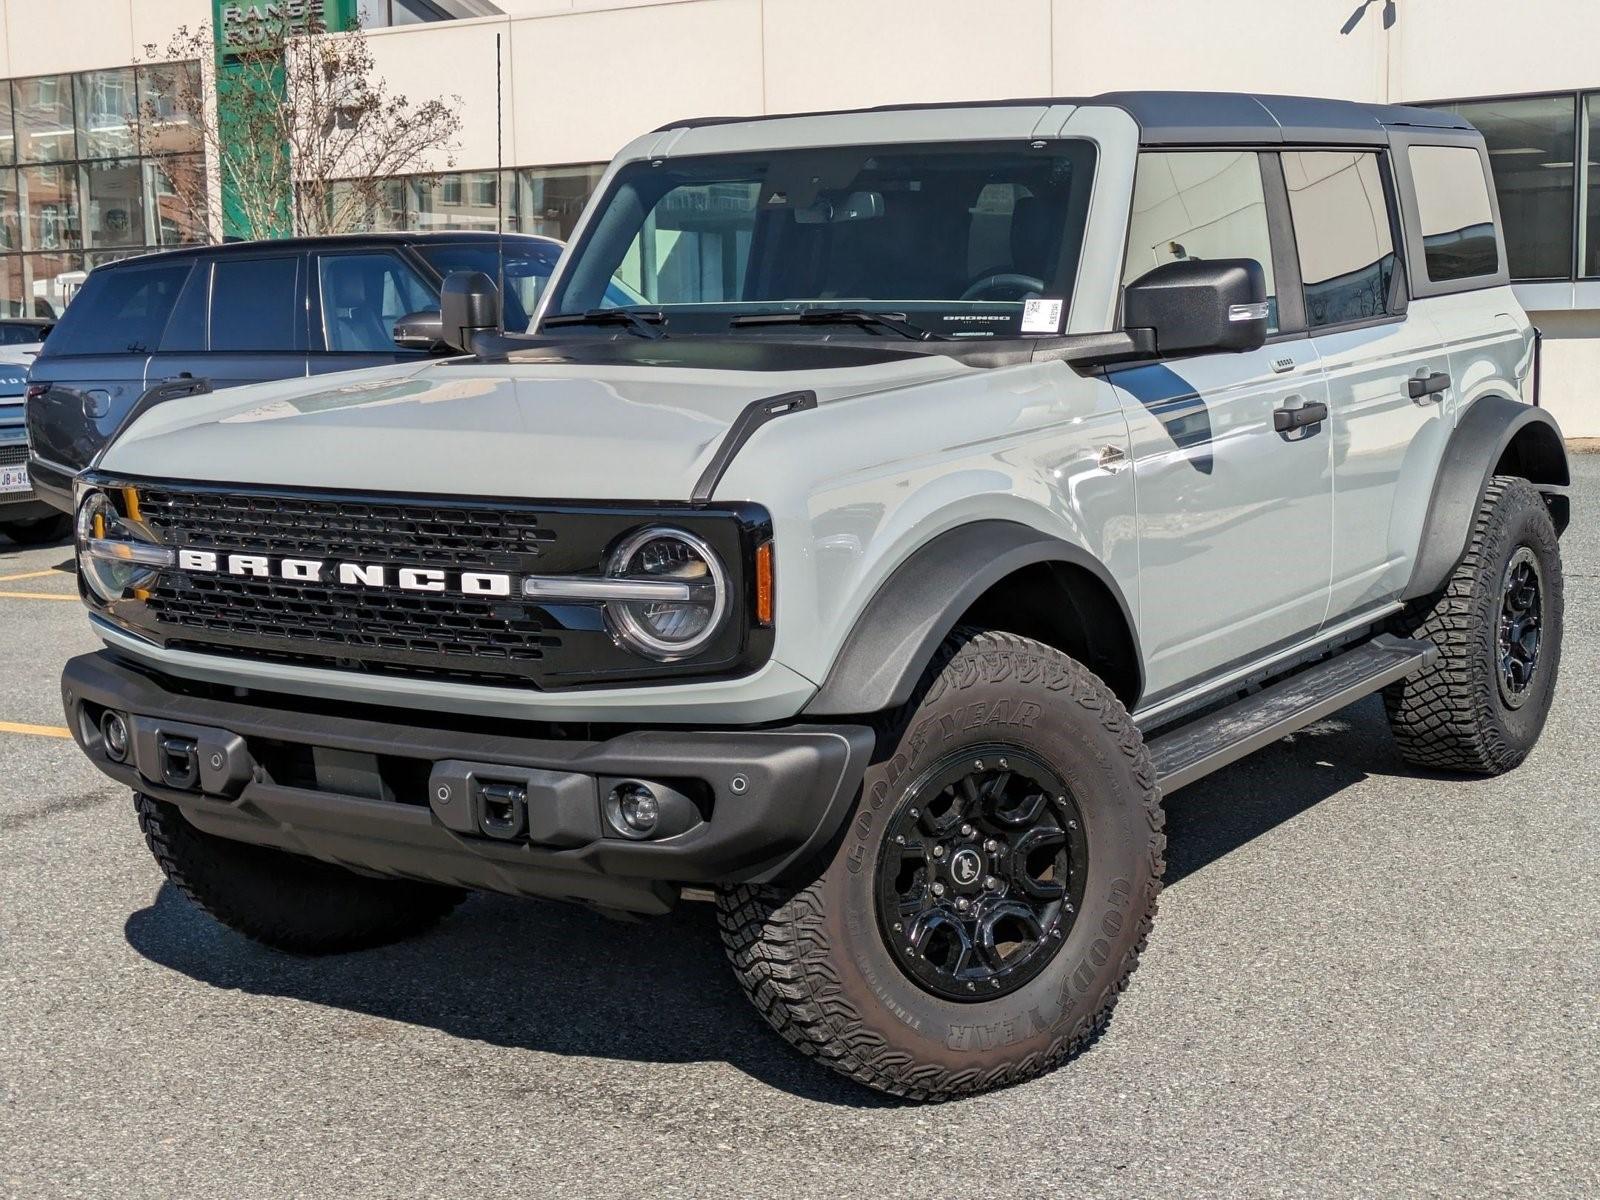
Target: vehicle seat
x,y
354,323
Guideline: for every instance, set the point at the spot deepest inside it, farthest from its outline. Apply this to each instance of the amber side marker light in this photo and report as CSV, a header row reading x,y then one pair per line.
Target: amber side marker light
x,y
764,583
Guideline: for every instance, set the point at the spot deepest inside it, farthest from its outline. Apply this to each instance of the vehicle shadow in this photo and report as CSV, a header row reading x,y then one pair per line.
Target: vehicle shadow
x,y
562,980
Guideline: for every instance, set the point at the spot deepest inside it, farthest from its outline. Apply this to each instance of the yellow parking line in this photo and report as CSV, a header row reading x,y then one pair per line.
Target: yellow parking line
x,y
27,575
55,731
38,596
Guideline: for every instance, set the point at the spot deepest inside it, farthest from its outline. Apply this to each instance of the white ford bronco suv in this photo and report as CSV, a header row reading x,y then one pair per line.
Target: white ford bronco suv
x,y
966,478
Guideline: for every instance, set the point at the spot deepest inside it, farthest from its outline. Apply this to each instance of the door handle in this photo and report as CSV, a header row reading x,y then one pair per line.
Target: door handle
x,y
1427,388
1286,420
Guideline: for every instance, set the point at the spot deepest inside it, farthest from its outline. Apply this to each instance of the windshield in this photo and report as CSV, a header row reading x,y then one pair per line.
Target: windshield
x,y
958,239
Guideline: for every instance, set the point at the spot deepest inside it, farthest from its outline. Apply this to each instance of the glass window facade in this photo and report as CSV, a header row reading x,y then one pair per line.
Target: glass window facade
x,y
1546,167
88,164
543,200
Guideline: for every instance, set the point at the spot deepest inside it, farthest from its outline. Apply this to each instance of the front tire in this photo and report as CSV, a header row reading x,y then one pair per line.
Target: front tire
x,y
285,900
1497,624
902,969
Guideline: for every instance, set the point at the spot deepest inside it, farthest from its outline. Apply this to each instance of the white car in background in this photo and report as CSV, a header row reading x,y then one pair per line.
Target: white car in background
x,y
23,516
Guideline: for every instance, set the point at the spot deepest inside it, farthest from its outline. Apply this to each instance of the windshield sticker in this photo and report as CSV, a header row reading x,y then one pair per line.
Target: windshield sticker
x,y
1041,315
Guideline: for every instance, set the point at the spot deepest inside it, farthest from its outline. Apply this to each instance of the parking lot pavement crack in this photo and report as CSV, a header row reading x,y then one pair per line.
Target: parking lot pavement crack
x,y
10,822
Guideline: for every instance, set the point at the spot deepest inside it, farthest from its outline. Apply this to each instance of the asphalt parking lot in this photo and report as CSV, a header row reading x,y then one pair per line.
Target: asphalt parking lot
x,y
1363,982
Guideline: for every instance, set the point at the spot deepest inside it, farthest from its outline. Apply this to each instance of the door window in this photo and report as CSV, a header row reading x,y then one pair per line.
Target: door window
x,y
1198,205
1344,233
363,295
1453,205
254,305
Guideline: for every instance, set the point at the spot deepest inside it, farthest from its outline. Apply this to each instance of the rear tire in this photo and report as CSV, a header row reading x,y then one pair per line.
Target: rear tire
x,y
285,900
1063,801
37,533
1497,624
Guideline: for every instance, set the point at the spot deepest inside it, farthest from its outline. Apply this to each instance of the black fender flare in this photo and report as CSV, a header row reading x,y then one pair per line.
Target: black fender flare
x,y
896,635
1475,448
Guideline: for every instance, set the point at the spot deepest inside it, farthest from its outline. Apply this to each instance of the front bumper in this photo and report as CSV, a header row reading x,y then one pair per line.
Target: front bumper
x,y
367,791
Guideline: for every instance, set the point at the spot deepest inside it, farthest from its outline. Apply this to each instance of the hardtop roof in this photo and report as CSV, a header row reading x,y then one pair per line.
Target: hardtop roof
x,y
1177,118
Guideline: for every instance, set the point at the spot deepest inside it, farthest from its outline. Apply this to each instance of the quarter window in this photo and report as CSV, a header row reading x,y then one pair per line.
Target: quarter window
x,y
1200,204
1453,205
1343,233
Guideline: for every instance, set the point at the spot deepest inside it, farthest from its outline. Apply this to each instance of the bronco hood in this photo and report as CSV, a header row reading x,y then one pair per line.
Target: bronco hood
x,y
541,430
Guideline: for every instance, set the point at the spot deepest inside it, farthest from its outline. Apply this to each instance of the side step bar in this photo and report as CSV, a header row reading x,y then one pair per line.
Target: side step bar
x,y
1208,743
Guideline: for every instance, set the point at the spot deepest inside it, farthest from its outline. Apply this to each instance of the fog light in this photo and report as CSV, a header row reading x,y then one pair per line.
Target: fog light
x,y
637,806
114,734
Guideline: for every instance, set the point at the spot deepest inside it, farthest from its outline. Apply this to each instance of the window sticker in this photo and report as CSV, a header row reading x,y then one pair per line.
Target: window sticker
x,y
1041,315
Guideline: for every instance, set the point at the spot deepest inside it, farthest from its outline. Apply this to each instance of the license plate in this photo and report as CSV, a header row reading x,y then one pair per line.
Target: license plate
x,y
14,479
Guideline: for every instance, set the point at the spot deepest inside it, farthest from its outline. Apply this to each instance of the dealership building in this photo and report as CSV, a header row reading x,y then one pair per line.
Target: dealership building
x,y
81,183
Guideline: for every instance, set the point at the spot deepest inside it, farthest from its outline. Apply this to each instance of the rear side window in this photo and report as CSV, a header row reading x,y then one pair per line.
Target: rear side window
x,y
1200,204
1344,234
121,311
255,305
1458,239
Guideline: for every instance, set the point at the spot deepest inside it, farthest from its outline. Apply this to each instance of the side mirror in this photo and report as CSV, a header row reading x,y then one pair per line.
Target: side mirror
x,y
1200,304
469,303
421,331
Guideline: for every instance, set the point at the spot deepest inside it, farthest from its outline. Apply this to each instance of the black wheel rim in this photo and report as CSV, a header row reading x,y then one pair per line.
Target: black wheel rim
x,y
1521,626
982,873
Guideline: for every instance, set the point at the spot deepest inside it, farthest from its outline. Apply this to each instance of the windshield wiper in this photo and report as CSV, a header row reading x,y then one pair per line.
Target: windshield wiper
x,y
894,322
645,322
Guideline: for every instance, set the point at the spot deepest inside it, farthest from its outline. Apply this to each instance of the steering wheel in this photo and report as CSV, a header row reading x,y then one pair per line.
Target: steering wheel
x,y
1003,281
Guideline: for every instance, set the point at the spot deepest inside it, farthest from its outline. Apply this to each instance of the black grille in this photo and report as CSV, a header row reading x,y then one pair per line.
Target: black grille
x,y
353,626
13,456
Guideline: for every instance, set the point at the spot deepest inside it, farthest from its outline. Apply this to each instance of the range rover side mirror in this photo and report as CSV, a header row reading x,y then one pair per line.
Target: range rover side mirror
x,y
421,331
469,303
1200,304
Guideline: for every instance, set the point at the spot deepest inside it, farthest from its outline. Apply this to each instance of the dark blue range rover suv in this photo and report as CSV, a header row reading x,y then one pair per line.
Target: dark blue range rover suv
x,y
248,312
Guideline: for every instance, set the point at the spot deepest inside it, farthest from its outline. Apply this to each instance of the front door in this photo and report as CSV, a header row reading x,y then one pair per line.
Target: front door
x,y
1234,517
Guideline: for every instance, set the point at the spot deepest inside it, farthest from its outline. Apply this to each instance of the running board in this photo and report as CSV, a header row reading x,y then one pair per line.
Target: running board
x,y
1208,743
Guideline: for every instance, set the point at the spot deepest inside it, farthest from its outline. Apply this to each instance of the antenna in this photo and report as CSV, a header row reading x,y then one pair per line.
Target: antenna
x,y
499,186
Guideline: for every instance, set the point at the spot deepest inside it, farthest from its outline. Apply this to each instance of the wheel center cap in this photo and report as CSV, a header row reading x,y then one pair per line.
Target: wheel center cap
x,y
965,867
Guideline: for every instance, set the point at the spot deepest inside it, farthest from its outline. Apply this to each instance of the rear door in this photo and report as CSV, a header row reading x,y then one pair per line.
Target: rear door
x,y
356,297
92,368
1233,517
1386,445
242,319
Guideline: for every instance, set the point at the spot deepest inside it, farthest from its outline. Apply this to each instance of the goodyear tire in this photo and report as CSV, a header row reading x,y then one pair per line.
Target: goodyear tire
x,y
285,900
991,894
1497,624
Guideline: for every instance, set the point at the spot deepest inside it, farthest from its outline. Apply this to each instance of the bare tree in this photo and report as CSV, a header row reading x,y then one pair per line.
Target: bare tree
x,y
301,133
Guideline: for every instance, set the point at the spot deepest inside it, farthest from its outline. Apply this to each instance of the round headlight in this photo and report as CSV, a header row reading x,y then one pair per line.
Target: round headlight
x,y
686,616
116,555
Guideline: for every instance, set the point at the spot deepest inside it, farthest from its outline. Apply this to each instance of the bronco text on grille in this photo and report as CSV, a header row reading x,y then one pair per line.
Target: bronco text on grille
x,y
397,585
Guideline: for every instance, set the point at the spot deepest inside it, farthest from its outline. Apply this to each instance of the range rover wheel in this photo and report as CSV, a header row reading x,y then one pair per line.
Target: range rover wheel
x,y
991,894
1497,623
285,900
37,533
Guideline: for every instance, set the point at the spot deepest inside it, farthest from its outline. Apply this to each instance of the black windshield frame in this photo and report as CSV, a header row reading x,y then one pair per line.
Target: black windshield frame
x,y
1066,167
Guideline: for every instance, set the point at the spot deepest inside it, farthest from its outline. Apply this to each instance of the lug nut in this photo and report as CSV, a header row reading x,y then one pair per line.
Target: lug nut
x,y
991,845
938,889
966,831
991,883
962,904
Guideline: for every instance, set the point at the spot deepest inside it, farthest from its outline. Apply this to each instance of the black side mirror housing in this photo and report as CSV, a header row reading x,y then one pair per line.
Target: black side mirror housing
x,y
1197,305
421,331
469,303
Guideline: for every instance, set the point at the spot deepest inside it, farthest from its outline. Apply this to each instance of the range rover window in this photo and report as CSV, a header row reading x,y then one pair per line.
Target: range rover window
x,y
951,238
121,311
256,305
363,295
1344,232
1453,205
1200,204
